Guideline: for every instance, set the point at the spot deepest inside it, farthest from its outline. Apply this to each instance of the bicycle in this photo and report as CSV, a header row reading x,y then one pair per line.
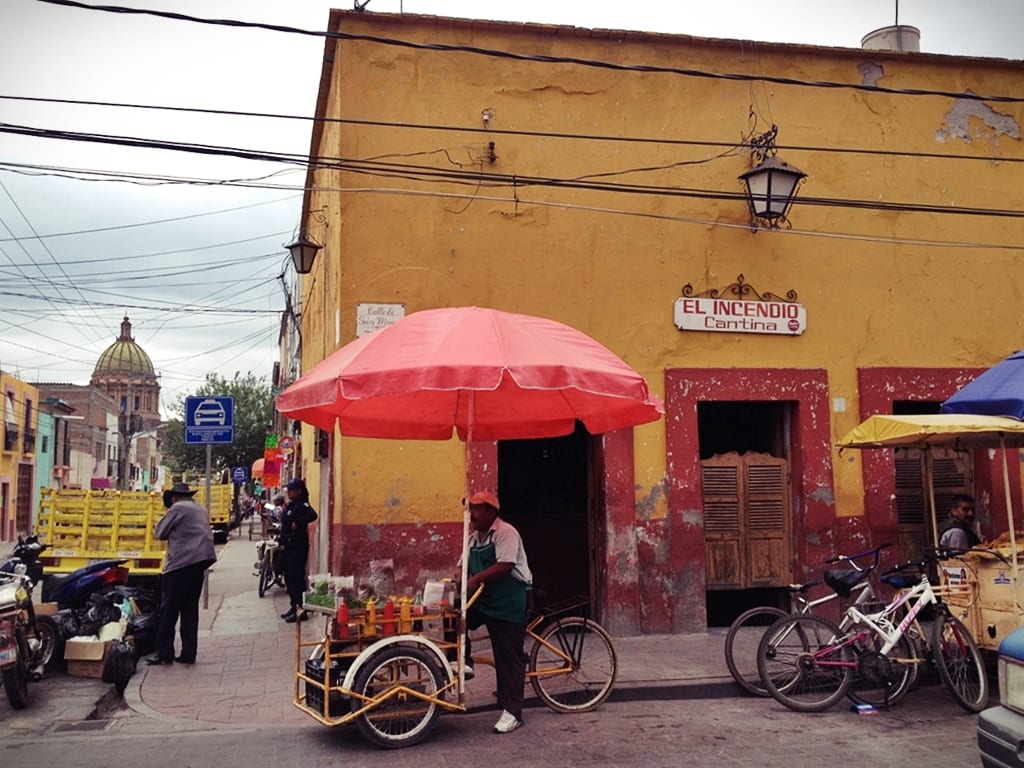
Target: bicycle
x,y
267,564
745,632
808,663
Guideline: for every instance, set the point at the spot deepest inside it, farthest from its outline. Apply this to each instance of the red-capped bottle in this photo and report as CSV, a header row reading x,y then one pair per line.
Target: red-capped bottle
x,y
342,618
389,617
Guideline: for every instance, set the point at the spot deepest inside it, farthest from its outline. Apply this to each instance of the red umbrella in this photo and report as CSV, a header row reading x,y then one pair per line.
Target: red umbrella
x,y
490,375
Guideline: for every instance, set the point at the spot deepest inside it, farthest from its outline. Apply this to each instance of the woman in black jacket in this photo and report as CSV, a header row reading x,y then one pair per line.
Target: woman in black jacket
x,y
295,520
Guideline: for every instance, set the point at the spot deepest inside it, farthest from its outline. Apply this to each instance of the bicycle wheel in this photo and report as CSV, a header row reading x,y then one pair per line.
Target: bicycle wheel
x,y
741,643
572,665
882,681
801,664
401,719
961,668
266,576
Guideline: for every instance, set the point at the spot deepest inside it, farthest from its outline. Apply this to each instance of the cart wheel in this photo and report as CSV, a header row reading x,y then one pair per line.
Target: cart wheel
x,y
401,718
573,665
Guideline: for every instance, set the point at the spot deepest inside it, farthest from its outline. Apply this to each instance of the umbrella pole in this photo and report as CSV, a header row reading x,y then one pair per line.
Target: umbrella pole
x,y
461,641
1009,510
930,481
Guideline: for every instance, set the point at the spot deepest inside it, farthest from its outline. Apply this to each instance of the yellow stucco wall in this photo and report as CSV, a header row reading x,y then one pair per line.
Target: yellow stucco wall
x,y
881,288
16,394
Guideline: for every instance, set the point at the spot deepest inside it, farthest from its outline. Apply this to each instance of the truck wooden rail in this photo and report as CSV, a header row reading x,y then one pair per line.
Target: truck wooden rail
x,y
81,527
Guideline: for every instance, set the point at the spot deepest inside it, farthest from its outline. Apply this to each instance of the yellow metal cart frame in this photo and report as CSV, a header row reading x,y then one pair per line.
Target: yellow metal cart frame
x,y
392,676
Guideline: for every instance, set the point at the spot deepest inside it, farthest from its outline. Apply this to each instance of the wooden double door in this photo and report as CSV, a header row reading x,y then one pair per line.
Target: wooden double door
x,y
747,521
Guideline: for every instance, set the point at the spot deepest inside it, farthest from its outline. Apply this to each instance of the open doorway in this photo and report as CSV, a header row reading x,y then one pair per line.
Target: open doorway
x,y
542,486
744,451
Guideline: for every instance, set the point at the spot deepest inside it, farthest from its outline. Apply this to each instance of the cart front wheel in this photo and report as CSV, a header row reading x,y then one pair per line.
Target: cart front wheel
x,y
573,665
399,718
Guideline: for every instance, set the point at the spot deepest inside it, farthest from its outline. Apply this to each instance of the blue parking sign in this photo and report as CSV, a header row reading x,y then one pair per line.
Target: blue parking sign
x,y
209,420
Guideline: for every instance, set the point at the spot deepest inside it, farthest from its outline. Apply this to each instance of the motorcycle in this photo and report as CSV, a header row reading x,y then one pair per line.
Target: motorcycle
x,y
75,589
27,641
72,590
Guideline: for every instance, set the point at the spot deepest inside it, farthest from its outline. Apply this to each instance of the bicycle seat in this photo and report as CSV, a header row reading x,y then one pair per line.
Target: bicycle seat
x,y
900,580
842,580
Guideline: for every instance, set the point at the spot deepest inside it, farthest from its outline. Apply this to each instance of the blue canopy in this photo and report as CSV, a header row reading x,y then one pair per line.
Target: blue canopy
x,y
999,391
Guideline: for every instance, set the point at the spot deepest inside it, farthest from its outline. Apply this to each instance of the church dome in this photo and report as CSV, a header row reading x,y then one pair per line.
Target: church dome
x,y
124,356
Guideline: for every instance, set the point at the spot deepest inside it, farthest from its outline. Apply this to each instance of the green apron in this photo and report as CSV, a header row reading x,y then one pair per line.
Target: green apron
x,y
505,599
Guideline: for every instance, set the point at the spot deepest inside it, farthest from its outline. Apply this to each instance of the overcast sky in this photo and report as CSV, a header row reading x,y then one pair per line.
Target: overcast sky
x,y
195,266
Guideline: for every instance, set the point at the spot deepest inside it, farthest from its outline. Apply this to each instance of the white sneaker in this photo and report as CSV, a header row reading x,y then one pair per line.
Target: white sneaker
x,y
507,722
467,670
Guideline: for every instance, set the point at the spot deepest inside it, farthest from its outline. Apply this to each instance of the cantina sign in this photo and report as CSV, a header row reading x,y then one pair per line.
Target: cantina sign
x,y
736,316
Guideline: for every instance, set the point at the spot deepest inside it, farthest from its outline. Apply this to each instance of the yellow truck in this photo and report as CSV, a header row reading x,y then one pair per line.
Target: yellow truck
x,y
81,527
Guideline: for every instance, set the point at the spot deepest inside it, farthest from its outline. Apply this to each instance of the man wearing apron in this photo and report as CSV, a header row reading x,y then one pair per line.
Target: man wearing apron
x,y
497,560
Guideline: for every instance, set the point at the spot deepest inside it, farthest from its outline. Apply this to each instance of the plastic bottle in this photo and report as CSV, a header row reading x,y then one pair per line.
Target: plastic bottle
x,y
405,615
388,623
371,618
342,618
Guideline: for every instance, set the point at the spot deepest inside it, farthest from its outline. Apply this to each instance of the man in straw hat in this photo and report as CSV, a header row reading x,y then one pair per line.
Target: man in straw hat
x,y
186,529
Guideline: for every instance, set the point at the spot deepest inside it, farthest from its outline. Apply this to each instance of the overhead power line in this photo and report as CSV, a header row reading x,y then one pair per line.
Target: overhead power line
x,y
492,131
476,177
533,57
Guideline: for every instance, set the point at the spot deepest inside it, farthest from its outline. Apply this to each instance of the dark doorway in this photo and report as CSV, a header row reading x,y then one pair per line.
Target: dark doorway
x,y
745,429
741,427
542,486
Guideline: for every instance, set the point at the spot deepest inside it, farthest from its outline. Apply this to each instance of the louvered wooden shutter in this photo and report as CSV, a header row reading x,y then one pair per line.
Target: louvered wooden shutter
x,y
767,520
746,521
720,478
952,473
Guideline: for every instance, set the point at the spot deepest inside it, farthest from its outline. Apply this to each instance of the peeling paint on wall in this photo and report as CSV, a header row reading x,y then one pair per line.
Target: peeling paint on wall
x,y
824,495
870,73
647,507
958,120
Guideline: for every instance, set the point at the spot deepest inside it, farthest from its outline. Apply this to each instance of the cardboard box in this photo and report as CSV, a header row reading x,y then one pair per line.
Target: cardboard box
x,y
85,657
46,609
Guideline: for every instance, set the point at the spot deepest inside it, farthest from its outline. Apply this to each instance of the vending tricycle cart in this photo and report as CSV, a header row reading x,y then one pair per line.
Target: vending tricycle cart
x,y
486,375
393,678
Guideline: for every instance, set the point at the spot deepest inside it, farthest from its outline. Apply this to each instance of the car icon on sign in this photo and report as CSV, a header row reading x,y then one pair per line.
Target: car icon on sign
x,y
209,412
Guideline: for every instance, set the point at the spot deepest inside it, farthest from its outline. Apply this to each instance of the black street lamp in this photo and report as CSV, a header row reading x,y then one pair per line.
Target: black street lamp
x,y
771,184
303,252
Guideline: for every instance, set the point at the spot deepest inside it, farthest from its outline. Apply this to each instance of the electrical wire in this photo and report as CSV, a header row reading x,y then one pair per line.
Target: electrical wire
x,y
172,220
538,58
475,178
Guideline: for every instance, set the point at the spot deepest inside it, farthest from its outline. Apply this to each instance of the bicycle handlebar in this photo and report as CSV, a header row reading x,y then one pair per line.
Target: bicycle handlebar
x,y
850,558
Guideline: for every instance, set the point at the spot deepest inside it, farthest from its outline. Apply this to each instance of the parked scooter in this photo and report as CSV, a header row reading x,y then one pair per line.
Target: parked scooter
x,y
27,641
